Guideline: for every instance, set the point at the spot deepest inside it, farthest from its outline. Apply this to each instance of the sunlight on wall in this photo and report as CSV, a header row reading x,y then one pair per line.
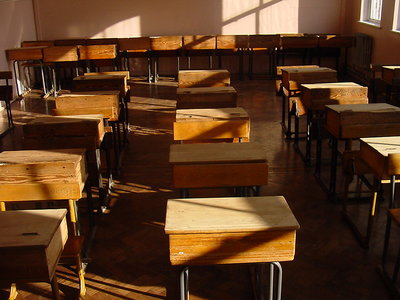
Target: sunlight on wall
x,y
259,16
125,28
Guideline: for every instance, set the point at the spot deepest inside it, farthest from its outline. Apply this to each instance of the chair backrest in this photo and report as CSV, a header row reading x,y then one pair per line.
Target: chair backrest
x,y
199,42
166,43
70,42
139,43
264,41
60,54
97,52
232,41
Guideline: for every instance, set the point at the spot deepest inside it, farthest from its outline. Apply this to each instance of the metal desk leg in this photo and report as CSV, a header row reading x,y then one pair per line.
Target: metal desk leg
x,y
283,121
308,136
184,283
332,183
271,280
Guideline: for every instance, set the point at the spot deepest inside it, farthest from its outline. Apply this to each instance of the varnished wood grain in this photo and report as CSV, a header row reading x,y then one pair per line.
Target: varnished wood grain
x,y
203,78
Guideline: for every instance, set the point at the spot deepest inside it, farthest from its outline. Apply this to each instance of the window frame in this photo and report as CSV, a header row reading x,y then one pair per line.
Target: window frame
x,y
366,10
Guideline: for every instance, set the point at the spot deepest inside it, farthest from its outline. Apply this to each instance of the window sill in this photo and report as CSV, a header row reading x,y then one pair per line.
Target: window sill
x,y
370,24
396,31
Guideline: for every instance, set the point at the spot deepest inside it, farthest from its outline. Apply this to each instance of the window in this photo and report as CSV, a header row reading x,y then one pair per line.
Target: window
x,y
371,11
396,16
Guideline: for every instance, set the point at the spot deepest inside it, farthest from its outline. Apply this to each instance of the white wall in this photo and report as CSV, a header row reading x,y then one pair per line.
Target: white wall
x,y
125,18
16,25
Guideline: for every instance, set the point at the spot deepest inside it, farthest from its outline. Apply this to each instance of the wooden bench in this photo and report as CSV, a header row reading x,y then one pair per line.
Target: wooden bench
x,y
206,97
210,231
210,124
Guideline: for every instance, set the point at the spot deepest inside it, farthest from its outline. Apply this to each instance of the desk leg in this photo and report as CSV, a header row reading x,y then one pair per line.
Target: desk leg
x,y
283,121
271,280
319,147
54,288
73,212
13,292
308,136
184,283
332,183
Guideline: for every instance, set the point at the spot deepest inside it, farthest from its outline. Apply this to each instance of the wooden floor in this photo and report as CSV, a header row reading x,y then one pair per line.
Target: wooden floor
x,y
129,257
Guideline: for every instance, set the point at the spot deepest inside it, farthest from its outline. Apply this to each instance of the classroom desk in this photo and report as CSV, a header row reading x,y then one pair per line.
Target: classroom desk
x,y
218,165
210,124
106,103
31,243
206,97
292,79
203,78
48,175
314,98
354,121
206,231
63,132
391,74
108,81
17,55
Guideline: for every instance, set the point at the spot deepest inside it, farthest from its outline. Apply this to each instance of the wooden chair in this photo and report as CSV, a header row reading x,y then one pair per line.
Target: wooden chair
x,y
135,48
59,57
165,46
199,45
263,44
95,56
232,45
297,45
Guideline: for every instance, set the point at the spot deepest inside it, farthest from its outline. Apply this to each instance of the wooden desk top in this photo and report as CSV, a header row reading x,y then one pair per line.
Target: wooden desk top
x,y
292,78
384,145
29,228
212,215
90,94
217,153
215,114
382,155
316,95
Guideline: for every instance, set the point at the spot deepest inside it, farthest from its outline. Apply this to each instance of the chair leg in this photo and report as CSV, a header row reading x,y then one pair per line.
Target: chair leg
x,y
81,275
13,292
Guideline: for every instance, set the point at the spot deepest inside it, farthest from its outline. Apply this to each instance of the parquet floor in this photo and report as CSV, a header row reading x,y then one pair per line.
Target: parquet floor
x,y
129,257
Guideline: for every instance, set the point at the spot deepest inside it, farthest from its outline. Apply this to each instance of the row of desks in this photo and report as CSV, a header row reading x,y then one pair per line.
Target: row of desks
x,y
66,160
206,231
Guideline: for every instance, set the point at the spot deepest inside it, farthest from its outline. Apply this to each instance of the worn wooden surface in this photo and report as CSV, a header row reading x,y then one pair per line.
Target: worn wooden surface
x,y
125,73
203,78
230,230
105,103
316,95
206,97
60,54
100,83
232,41
335,41
166,43
292,78
278,82
382,155
37,43
80,131
25,53
97,52
362,120
193,124
31,242
199,42
42,174
218,165
297,42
